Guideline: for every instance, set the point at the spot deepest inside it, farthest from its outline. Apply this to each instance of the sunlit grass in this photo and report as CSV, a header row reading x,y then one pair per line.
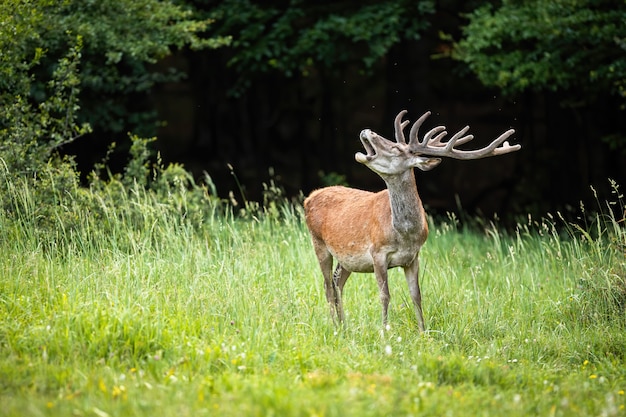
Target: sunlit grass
x,y
145,314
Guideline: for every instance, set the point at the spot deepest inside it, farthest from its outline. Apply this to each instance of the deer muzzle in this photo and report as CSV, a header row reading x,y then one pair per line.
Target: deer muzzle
x,y
365,137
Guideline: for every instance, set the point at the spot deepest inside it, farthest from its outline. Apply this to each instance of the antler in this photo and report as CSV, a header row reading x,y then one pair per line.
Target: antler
x,y
399,126
432,145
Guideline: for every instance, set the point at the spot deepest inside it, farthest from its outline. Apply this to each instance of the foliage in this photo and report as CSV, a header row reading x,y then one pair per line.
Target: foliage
x,y
149,314
51,53
57,211
123,41
30,133
298,37
116,44
576,48
548,45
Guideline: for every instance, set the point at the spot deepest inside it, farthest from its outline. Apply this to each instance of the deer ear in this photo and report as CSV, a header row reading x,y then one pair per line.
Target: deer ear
x,y
426,164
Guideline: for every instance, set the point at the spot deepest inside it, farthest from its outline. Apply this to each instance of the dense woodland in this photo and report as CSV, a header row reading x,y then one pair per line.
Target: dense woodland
x,y
249,92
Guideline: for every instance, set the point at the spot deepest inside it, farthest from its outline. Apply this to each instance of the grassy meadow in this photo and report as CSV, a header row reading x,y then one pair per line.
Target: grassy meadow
x,y
145,314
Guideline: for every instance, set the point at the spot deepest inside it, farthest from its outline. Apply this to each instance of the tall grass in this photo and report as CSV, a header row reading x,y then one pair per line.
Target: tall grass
x,y
140,306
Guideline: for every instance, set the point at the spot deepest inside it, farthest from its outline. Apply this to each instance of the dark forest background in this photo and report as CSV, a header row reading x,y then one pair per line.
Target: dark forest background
x,y
253,91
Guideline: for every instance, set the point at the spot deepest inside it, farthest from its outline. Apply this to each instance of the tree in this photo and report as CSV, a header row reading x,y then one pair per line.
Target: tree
x,y
31,129
123,40
68,65
564,62
551,45
574,47
53,56
298,37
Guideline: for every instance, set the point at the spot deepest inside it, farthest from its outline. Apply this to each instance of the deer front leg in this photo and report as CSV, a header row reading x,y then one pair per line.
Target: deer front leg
x,y
380,270
412,279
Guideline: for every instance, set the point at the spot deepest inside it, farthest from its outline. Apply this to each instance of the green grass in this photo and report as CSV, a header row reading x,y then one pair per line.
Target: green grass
x,y
148,315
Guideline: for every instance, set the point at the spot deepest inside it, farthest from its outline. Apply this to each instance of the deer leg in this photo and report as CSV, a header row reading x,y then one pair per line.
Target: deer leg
x,y
412,279
329,287
339,280
383,288
325,260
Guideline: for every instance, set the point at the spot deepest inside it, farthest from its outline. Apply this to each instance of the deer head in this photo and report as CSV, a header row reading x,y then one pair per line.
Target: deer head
x,y
388,158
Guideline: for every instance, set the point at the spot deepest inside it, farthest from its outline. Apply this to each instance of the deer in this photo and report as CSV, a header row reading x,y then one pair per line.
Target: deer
x,y
369,232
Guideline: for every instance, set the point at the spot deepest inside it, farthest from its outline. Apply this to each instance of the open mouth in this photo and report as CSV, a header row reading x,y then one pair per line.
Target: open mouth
x,y
369,148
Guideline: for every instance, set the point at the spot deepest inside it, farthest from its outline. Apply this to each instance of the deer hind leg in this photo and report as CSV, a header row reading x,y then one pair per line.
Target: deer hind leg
x,y
325,260
340,276
412,279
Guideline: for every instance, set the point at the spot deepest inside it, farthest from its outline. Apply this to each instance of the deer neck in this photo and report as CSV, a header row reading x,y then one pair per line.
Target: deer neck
x,y
407,213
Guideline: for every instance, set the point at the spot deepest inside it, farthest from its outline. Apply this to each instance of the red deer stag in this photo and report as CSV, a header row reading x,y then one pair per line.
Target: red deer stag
x,y
373,232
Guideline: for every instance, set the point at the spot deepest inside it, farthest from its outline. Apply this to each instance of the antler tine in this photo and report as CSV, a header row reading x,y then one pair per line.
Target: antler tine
x,y
498,147
506,147
413,139
459,139
429,140
399,127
